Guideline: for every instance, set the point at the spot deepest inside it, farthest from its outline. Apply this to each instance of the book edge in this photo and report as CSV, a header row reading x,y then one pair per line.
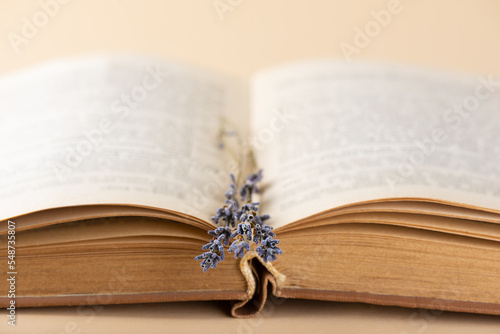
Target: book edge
x,y
391,300
134,298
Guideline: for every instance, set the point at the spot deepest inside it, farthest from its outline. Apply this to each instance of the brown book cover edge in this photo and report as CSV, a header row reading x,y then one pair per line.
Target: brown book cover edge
x,y
270,282
262,278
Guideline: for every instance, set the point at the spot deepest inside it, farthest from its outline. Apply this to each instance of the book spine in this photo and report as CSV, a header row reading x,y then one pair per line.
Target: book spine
x,y
261,277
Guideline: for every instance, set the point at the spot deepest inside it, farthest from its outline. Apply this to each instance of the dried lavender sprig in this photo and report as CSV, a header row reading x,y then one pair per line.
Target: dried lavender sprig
x,y
210,260
250,185
239,247
268,249
215,246
227,213
244,230
262,232
223,234
260,219
247,226
232,191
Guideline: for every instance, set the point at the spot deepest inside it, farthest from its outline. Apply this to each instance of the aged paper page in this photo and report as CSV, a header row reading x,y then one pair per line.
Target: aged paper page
x,y
330,134
116,130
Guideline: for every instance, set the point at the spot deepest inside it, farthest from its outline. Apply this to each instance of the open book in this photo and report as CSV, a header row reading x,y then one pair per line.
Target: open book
x,y
382,182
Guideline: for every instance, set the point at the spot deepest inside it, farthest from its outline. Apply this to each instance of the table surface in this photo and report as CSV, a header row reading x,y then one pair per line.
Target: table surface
x,y
239,37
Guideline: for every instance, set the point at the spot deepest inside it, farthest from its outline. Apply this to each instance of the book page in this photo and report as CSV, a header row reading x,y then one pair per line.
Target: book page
x,y
330,134
115,130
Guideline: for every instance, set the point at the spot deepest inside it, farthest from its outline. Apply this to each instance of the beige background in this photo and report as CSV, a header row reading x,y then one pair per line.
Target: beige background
x,y
460,35
456,35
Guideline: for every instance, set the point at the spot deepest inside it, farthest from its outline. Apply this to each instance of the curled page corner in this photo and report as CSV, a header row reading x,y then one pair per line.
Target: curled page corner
x,y
258,275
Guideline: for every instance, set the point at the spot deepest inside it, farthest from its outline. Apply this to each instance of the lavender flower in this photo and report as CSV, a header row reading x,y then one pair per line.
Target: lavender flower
x,y
231,192
239,247
249,206
244,230
260,219
210,260
268,249
227,213
223,234
215,246
250,185
248,212
262,232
